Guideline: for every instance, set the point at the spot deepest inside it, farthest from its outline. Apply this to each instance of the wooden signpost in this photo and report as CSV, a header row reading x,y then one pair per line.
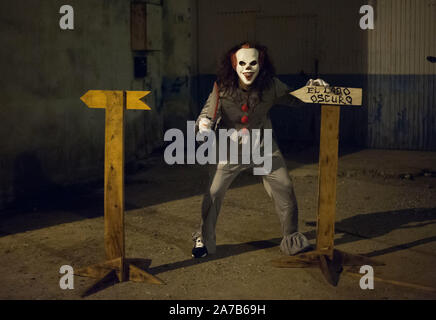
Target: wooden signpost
x,y
116,266
325,255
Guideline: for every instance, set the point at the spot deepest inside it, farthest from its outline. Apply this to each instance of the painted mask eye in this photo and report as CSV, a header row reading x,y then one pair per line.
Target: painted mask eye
x,y
242,63
253,63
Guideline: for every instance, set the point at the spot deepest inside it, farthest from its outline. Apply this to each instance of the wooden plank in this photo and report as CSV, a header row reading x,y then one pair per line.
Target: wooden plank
x,y
134,102
329,95
138,275
114,176
99,270
301,260
138,26
96,98
328,166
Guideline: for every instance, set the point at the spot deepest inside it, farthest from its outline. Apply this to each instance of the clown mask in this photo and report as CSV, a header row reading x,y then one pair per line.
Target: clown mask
x,y
247,65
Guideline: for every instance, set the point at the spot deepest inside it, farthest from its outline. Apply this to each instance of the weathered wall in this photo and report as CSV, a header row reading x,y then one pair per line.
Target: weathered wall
x,y
305,39
48,136
179,62
310,38
402,82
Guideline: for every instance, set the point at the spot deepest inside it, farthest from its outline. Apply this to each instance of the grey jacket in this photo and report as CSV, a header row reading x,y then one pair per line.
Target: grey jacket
x,y
230,113
255,114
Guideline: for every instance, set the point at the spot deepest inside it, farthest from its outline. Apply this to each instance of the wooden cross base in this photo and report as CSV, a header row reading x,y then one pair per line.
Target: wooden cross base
x,y
331,265
113,271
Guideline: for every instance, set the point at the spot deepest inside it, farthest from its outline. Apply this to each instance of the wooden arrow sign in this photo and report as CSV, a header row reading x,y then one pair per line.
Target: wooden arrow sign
x,y
339,96
134,102
331,99
326,256
102,98
115,102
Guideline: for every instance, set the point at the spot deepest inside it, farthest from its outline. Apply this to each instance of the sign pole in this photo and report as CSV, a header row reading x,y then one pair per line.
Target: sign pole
x,y
328,166
114,177
329,259
116,267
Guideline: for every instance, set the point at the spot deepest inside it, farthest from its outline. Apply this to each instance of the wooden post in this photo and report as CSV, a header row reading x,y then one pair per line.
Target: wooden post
x,y
116,264
326,256
328,167
114,176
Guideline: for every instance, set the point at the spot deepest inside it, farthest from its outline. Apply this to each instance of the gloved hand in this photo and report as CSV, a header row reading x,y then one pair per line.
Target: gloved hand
x,y
204,125
317,82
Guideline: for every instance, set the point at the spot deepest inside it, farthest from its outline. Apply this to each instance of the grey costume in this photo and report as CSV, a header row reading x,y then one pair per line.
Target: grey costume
x,y
277,183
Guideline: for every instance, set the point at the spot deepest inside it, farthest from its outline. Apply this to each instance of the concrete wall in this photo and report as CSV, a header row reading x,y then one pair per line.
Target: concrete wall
x,y
179,62
48,136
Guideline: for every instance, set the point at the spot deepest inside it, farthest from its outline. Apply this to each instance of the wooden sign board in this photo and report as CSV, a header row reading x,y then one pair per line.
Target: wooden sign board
x,y
326,256
339,96
103,98
331,99
116,102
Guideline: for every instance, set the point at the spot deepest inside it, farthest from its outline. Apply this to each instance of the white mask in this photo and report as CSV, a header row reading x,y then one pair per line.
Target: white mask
x,y
247,65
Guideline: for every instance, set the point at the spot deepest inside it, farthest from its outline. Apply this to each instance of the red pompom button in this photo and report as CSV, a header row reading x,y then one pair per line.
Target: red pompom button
x,y
244,119
244,108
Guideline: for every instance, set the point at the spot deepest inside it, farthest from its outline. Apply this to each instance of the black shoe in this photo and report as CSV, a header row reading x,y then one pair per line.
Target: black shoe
x,y
199,250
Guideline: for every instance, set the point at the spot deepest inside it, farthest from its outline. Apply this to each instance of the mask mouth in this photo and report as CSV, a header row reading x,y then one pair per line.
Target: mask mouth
x,y
248,75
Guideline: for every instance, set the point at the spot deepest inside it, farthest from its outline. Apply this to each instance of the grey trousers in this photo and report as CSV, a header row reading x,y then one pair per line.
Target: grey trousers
x,y
278,186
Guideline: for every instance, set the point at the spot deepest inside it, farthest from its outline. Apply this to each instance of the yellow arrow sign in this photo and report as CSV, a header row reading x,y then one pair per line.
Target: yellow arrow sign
x,y
101,99
329,95
115,104
133,100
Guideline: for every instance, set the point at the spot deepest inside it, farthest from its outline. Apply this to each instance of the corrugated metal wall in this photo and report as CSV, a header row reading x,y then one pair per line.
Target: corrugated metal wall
x,y
389,63
401,82
305,39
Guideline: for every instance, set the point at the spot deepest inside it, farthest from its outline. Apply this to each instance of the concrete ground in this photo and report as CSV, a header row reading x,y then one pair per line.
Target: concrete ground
x,y
386,209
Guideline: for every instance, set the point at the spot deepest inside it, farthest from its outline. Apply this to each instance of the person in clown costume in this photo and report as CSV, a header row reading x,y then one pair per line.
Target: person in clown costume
x,y
245,90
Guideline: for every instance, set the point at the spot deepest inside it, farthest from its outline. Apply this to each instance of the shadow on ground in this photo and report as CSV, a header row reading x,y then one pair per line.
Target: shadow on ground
x,y
370,225
52,204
